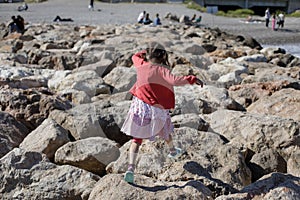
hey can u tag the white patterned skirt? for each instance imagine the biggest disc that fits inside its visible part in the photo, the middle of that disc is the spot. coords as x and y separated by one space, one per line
144 121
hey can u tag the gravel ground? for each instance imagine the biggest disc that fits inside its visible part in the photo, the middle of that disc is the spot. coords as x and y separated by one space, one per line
122 13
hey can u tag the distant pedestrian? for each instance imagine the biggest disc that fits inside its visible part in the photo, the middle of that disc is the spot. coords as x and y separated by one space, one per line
267 17
280 20
273 22
91 6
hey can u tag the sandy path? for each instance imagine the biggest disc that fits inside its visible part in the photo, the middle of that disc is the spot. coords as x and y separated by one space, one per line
121 13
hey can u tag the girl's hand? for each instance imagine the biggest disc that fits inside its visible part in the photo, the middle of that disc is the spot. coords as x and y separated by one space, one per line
199 82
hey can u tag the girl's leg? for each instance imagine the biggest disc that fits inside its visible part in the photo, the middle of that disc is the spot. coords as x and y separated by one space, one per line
133 152
174 151
170 144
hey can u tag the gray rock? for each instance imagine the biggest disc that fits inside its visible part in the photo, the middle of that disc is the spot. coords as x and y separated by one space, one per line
271 186
293 163
284 103
121 78
190 120
92 154
81 121
256 132
113 187
87 81
266 162
225 163
46 138
12 133
29 175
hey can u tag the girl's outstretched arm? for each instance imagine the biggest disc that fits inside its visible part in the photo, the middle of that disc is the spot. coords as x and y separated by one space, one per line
139 58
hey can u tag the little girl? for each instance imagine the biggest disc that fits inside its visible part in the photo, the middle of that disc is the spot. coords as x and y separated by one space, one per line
153 96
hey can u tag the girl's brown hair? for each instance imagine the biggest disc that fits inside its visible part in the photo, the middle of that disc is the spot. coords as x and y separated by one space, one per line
157 53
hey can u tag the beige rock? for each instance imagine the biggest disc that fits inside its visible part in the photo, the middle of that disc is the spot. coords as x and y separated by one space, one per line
121 78
293 163
92 154
29 175
113 187
271 186
46 138
284 103
256 132
81 121
12 133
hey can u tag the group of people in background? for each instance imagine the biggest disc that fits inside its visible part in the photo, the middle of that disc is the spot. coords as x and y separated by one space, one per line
144 18
16 24
274 19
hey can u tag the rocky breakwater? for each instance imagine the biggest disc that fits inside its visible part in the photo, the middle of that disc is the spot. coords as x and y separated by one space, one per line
64 96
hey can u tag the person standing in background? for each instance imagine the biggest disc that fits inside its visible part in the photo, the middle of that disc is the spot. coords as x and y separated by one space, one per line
91 6
267 17
274 22
281 20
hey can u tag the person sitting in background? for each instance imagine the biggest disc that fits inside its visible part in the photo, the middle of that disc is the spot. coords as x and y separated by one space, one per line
141 17
157 20
12 26
147 19
193 18
23 7
16 24
20 24
198 20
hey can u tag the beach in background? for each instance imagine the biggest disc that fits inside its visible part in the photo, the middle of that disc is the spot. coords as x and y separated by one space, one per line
287 38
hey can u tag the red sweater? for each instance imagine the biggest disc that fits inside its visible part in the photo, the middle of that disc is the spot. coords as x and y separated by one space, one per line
154 84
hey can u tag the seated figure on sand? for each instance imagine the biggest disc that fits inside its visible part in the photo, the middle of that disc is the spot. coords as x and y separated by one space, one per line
141 17
157 20
147 19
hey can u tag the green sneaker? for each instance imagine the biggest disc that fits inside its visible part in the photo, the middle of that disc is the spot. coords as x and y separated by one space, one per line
129 177
178 153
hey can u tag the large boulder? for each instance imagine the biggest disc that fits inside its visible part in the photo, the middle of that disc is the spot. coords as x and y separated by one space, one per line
12 133
270 139
81 121
46 138
284 103
29 175
113 187
271 186
246 94
87 81
121 79
92 154
194 99
225 163
31 106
